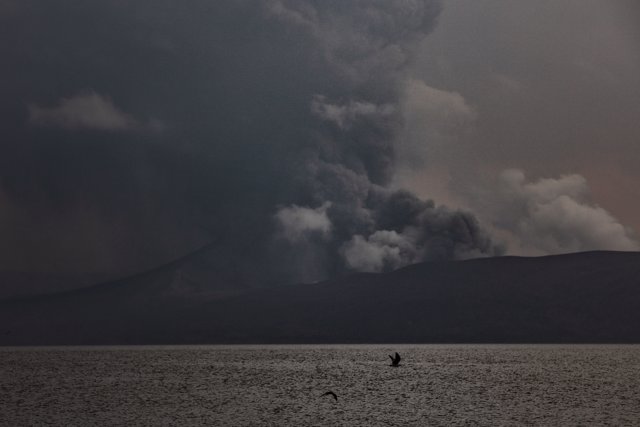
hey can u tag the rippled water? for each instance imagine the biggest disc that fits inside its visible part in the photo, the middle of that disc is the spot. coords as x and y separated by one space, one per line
282 385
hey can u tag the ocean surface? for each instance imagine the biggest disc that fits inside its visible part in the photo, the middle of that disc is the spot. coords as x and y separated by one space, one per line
283 385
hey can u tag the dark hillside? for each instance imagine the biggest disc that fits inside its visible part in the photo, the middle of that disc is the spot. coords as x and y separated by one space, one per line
583 297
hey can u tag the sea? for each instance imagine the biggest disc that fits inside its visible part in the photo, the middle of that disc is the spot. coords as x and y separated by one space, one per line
435 385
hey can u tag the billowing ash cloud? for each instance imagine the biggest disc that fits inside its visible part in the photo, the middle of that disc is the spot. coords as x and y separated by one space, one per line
553 216
348 115
283 122
358 132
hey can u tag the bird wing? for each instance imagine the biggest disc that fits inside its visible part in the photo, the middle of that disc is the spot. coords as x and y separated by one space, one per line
398 358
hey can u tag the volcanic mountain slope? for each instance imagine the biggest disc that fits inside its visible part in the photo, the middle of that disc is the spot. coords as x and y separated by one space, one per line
582 297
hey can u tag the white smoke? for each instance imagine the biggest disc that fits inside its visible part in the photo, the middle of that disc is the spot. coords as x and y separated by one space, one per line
297 222
383 250
552 216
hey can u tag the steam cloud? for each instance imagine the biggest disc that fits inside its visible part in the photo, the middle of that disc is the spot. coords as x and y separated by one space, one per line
298 222
553 216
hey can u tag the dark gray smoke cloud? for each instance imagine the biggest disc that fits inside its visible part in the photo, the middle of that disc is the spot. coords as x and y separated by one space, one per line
268 127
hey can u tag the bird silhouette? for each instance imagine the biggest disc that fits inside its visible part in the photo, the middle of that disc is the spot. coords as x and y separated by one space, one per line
330 393
395 361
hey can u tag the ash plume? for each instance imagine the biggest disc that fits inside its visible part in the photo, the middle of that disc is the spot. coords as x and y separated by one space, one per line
280 122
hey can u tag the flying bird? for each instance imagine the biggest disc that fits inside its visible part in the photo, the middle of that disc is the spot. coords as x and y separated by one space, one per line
395 361
330 393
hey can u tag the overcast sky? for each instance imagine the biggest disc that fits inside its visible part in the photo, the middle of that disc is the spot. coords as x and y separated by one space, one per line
308 138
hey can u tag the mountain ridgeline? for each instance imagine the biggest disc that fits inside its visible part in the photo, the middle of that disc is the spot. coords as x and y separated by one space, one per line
583 297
